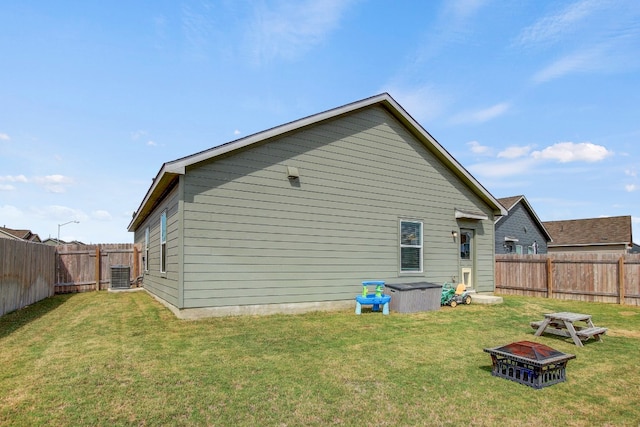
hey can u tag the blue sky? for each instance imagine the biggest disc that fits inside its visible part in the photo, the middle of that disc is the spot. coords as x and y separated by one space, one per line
540 98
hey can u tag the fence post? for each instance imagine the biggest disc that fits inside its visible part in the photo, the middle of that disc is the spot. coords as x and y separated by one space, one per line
621 279
97 268
136 263
549 278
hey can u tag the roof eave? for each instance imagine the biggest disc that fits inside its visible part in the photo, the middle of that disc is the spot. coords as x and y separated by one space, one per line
563 245
161 182
170 170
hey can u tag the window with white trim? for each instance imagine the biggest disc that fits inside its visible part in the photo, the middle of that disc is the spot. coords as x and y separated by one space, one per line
163 242
410 246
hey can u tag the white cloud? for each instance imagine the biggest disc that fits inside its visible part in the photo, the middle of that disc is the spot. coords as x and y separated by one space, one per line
237 132
60 213
464 9
514 152
502 169
151 143
518 161
481 116
631 187
54 183
478 148
7 187
136 135
594 35
582 61
4 137
551 28
54 179
630 172
565 152
288 29
101 215
197 26
10 214
13 178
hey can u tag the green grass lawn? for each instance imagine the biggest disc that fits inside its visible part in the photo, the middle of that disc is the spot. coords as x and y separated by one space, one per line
107 359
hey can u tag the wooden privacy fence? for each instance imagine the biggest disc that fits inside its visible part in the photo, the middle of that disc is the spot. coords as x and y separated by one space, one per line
81 268
26 273
610 278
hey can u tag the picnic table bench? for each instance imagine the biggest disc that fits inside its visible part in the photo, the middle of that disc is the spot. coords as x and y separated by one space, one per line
579 327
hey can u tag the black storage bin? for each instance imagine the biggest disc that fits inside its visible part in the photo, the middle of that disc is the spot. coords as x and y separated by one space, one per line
414 297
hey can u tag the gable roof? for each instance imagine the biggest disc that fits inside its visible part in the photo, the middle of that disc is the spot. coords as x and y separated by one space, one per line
614 230
21 234
6 235
512 202
169 171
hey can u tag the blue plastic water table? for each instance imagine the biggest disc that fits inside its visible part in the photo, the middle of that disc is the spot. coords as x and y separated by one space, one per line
374 299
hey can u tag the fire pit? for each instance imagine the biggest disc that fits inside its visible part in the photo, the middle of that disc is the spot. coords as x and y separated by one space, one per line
529 363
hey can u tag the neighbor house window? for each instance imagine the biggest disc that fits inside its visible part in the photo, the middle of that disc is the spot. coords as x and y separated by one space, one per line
410 246
145 259
163 242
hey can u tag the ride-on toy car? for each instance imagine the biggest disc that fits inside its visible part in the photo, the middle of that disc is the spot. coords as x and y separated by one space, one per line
453 297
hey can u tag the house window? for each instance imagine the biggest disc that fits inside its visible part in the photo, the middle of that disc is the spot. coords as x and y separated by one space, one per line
145 258
410 246
163 242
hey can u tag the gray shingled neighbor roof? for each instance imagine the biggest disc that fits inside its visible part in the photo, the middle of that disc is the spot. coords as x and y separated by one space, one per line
593 231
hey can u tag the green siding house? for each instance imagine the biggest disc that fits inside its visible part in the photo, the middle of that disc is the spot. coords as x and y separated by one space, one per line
294 218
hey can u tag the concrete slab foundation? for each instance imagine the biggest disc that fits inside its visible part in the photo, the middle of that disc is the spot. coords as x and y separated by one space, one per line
486 299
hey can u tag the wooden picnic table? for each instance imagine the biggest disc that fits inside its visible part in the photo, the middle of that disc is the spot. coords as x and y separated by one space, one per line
576 326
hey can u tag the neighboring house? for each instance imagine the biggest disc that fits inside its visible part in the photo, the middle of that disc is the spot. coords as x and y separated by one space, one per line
52 241
520 231
7 235
296 217
607 234
19 234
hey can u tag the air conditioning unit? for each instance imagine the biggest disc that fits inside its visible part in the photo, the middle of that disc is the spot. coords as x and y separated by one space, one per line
120 277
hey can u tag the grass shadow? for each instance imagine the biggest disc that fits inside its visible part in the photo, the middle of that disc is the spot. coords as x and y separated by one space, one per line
11 322
568 340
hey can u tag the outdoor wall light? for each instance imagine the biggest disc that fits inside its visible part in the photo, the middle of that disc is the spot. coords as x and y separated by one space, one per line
292 172
454 234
